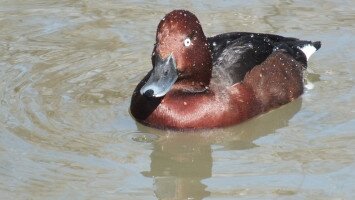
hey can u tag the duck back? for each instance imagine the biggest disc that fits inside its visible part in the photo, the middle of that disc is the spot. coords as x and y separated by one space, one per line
234 54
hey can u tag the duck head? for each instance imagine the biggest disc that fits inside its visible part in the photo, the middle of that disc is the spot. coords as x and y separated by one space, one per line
181 56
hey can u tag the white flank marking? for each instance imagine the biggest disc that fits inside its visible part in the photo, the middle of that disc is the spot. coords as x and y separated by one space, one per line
308 50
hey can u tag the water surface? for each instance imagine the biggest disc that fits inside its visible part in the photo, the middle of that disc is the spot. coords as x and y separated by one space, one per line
68 69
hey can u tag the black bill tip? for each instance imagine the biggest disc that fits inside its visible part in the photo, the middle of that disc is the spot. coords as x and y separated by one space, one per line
149 93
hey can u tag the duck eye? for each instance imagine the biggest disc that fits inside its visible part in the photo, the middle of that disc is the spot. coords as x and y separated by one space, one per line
187 42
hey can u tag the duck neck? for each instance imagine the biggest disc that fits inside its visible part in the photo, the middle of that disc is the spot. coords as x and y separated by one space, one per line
201 71
187 86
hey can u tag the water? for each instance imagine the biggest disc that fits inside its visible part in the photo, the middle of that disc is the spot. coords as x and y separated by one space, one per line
68 69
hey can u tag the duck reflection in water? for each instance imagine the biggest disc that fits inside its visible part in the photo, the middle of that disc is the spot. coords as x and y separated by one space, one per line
181 161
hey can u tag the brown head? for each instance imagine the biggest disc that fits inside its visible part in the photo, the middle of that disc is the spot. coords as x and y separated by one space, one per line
181 57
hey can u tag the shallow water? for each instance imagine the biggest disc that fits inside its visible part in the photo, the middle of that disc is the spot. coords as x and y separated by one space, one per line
68 69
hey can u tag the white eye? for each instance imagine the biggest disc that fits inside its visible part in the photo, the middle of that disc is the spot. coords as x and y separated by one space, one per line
187 42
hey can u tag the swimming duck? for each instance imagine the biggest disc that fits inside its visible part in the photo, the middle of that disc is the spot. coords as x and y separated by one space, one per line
200 82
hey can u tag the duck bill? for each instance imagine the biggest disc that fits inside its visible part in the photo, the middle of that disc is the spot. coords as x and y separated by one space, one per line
162 77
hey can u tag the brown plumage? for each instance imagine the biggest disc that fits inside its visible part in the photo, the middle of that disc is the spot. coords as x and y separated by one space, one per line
199 82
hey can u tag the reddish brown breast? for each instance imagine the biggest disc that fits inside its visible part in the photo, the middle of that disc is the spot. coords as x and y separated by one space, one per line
211 109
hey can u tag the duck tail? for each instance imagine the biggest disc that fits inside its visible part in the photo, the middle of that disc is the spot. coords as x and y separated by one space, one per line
308 48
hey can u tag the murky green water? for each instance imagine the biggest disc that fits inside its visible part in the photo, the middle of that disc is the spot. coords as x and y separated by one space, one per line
67 71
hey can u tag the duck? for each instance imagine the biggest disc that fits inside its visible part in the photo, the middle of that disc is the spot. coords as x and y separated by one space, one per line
200 82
